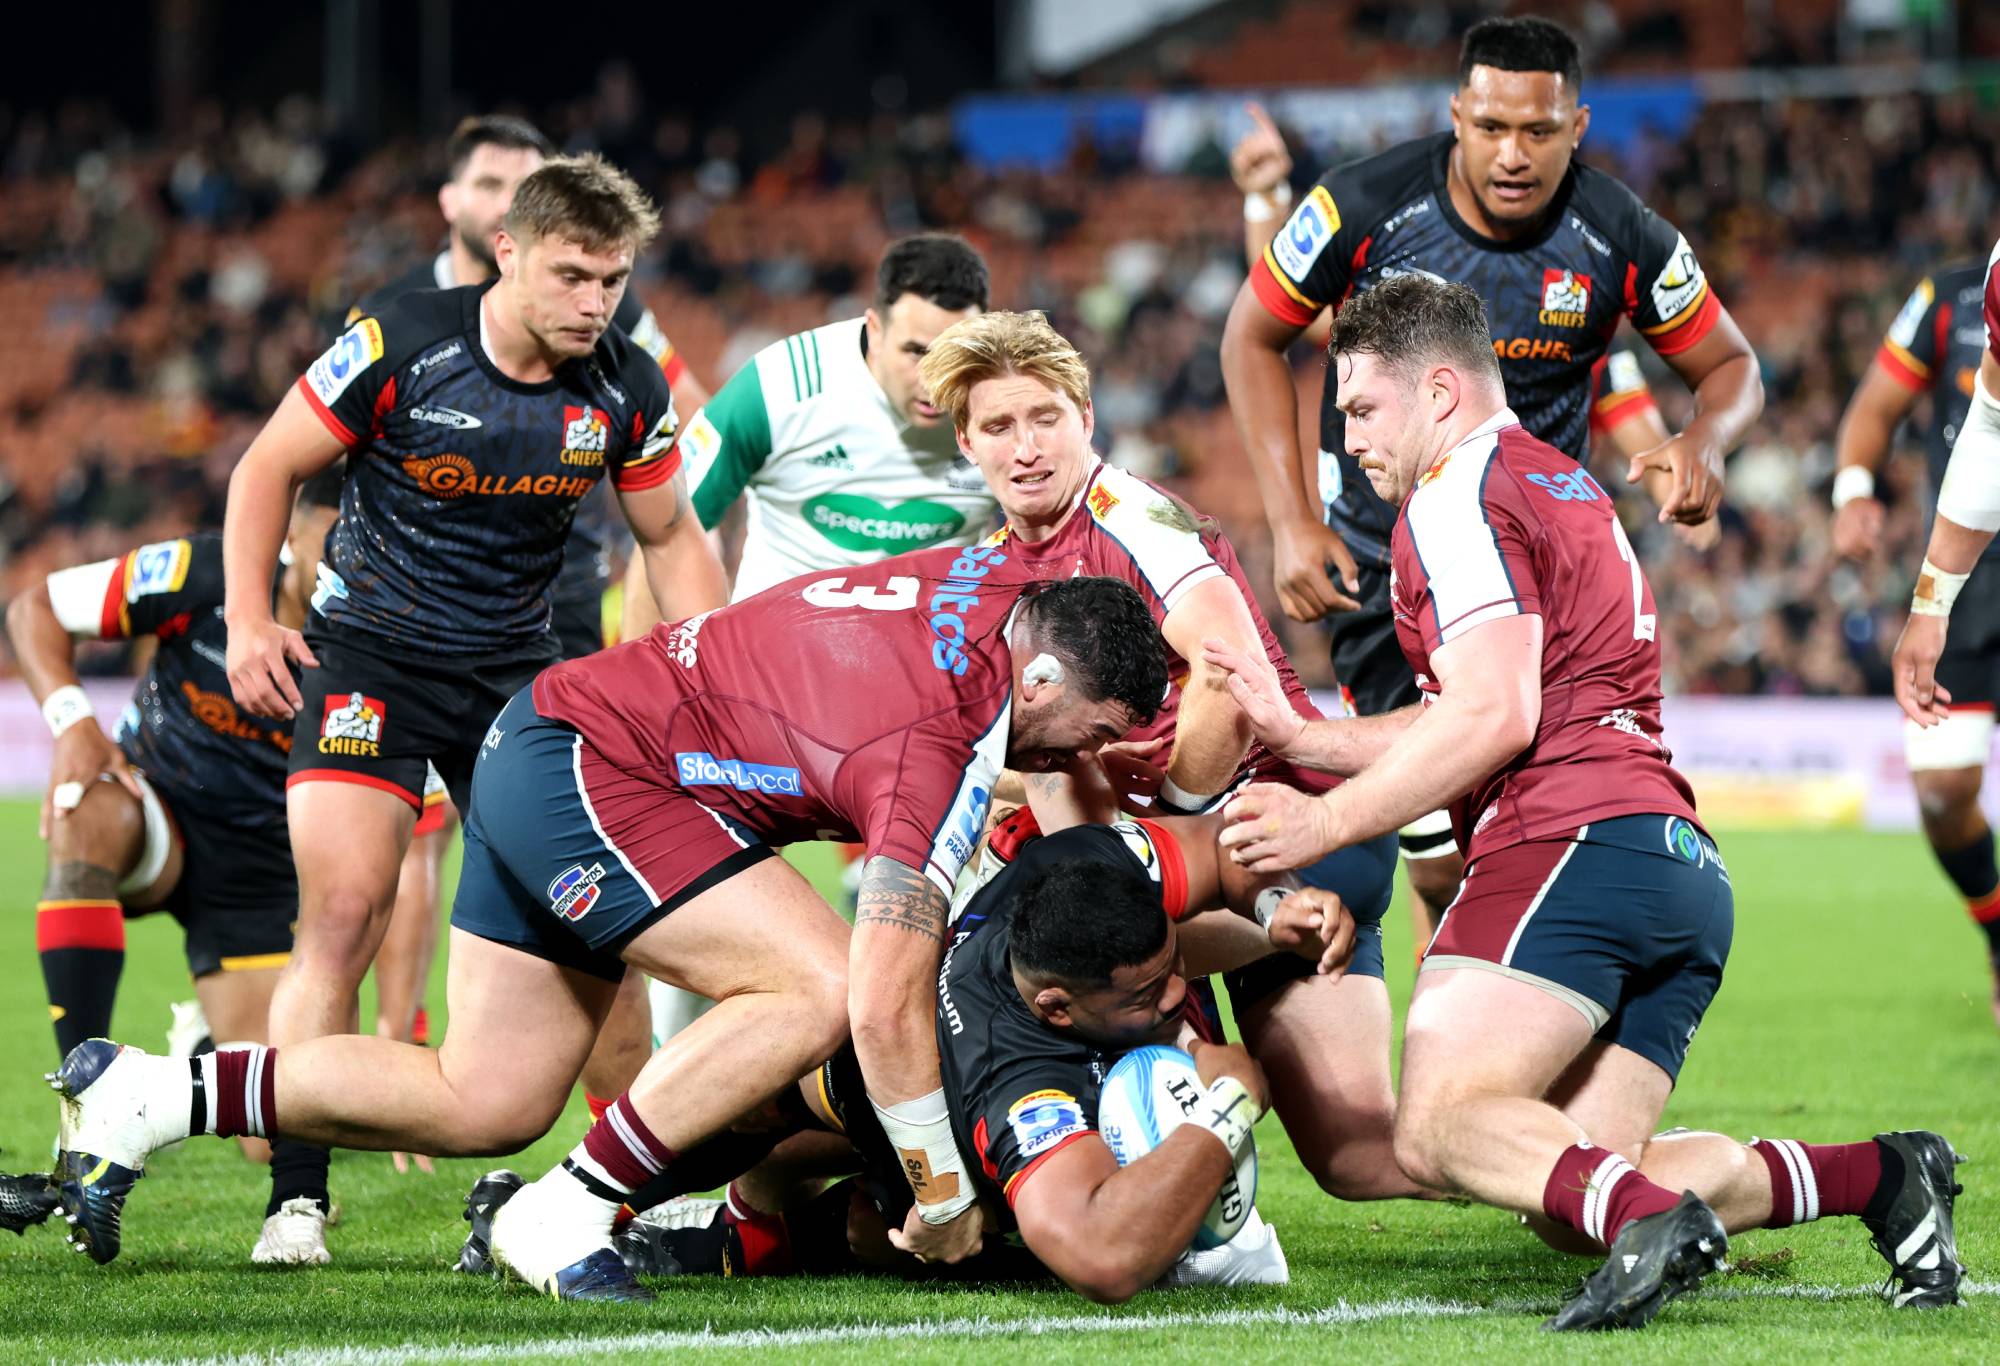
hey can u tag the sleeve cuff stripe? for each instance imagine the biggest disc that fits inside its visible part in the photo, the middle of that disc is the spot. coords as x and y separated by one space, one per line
333 424
1280 300
1903 367
1013 1187
649 474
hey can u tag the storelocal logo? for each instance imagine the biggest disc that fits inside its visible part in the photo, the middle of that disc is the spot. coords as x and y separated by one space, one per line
854 521
705 770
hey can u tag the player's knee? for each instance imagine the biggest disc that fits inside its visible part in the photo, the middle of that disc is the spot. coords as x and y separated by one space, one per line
1416 1149
494 1130
822 991
1946 795
107 830
337 926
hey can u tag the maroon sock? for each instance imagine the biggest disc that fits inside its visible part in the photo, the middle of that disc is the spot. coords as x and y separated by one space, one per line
1813 1180
1596 1192
237 1090
620 1151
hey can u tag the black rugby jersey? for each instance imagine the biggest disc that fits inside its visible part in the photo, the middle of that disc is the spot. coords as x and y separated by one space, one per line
1554 297
1933 347
463 483
1019 1090
586 564
182 728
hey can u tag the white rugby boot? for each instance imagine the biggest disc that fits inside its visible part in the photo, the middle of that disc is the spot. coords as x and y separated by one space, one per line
555 1235
1252 1257
294 1236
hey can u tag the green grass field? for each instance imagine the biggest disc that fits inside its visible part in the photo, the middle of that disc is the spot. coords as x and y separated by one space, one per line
1856 1000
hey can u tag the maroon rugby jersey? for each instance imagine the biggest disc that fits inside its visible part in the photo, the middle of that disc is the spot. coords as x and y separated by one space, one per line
1505 525
1992 308
867 704
1126 528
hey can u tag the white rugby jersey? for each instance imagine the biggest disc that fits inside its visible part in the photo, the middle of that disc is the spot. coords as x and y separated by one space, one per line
832 474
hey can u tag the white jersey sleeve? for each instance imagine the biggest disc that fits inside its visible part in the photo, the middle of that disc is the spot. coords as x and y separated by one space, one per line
1160 535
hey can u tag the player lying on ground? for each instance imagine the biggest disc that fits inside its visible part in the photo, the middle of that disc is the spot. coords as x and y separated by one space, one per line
1557 1003
1074 951
478 419
1018 395
184 811
1968 513
627 810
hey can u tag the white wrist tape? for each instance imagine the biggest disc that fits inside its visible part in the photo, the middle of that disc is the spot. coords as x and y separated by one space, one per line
1227 1111
1937 590
1851 482
920 1132
1970 495
1261 206
1265 907
65 707
1178 801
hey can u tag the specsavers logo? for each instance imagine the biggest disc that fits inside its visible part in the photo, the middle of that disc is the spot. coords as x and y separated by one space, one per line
451 475
698 769
854 521
352 725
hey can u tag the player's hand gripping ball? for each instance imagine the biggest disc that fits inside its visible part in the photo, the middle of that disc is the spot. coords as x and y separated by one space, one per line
1148 1095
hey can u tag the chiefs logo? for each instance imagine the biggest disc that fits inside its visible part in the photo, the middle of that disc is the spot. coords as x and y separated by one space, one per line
1565 299
441 476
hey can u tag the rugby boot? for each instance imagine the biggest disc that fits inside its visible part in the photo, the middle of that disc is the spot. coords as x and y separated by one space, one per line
1252 1257
681 1237
482 1202
1914 1234
27 1200
1652 1260
294 1236
112 1118
560 1246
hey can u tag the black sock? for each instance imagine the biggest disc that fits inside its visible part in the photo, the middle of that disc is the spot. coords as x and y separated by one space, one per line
82 985
1973 871
1886 1188
298 1170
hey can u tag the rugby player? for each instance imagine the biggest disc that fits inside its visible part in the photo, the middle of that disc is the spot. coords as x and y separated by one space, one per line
478 419
1934 348
486 157
1559 250
184 810
1557 1003
1069 953
626 810
1018 395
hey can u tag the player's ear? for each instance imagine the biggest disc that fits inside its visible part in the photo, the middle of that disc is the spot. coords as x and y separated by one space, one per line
873 322
1454 111
1054 1003
1089 420
448 201
1580 127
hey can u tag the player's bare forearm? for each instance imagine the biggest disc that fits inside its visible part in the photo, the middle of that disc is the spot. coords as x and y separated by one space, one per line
637 612
1211 733
1722 371
899 933
682 568
1265 403
1954 548
1156 1205
42 647
293 446
1868 427
1345 745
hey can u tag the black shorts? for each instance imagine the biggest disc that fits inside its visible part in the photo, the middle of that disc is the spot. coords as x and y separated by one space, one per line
1367 660
1969 668
375 713
238 897
578 625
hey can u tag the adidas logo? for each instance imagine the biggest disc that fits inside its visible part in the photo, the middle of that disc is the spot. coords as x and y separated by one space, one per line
835 459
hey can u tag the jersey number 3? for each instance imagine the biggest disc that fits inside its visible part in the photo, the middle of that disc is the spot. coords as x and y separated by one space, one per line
900 595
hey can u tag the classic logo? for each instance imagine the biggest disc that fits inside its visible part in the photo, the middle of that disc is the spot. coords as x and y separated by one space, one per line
445 417
451 475
698 769
854 521
574 890
586 435
1565 299
352 725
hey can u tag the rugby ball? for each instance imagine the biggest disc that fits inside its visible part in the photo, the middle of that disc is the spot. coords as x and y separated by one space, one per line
1149 1093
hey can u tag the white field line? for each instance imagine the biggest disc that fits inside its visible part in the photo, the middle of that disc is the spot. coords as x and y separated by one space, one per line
952 1329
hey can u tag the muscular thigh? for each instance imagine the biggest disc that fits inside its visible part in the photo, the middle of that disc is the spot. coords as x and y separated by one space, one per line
521 1024
1615 1095
753 932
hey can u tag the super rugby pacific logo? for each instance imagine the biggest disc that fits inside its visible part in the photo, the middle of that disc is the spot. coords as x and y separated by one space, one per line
954 598
575 890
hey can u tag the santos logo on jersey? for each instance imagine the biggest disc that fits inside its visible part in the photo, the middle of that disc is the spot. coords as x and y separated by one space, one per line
1565 299
352 725
705 770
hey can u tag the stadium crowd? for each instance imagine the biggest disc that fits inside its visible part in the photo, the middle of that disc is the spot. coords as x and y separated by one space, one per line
168 293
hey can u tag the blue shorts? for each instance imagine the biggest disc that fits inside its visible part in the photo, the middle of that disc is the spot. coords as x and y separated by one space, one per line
570 859
1629 920
1364 878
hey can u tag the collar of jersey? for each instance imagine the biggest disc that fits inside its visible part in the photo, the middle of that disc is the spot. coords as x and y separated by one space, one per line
1441 188
1502 419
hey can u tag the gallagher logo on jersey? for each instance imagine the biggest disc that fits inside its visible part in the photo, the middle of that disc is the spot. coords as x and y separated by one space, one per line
586 432
1565 299
575 890
352 725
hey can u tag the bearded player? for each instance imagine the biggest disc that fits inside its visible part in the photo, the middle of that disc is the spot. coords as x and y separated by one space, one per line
1556 1006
